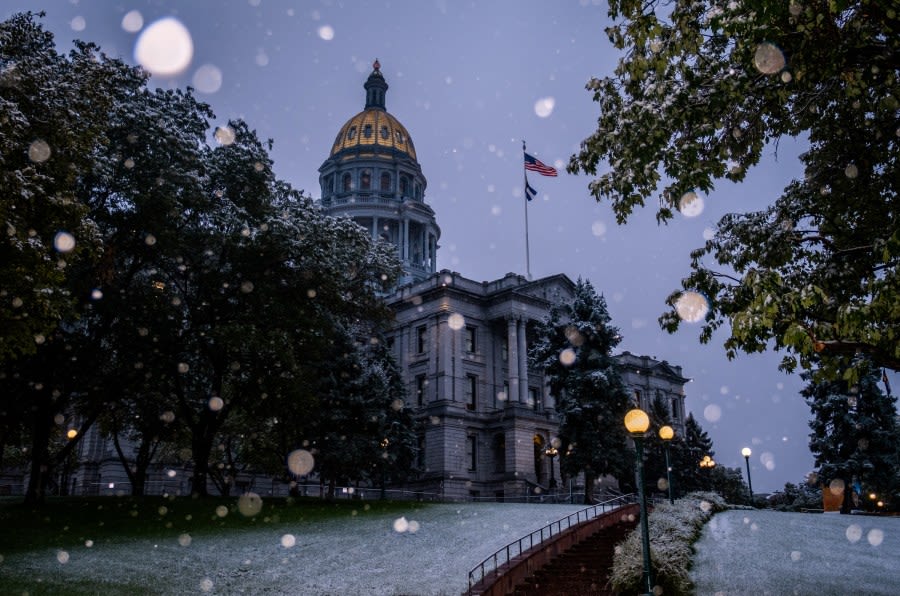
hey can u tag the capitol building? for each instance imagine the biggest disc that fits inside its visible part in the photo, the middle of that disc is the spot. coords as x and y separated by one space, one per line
486 417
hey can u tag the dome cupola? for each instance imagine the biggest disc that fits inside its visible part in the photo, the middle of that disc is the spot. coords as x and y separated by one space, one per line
372 175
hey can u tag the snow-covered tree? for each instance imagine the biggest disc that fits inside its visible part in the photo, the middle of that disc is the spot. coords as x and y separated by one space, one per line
54 118
854 437
690 476
573 345
702 89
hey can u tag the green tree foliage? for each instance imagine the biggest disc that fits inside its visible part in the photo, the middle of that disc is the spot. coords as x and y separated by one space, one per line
698 95
854 437
214 292
53 115
574 346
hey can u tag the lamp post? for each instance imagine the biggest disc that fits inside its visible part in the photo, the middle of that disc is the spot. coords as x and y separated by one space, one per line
551 452
746 453
666 433
637 422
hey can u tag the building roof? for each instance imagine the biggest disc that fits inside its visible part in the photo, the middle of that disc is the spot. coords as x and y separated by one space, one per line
374 130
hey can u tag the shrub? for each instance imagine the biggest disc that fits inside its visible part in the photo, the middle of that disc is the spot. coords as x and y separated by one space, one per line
673 530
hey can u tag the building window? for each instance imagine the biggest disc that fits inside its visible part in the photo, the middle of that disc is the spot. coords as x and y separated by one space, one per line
499 445
534 398
384 132
399 136
351 134
471 392
472 452
420 339
404 185
421 385
346 183
675 415
469 340
367 131
637 399
385 181
365 180
329 184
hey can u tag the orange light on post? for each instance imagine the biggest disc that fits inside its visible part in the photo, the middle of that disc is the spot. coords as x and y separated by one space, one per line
667 433
71 434
637 422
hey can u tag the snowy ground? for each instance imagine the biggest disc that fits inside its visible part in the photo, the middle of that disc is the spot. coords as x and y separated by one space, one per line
740 552
359 555
774 553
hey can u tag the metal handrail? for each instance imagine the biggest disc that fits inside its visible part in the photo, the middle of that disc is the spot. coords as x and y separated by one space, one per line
503 555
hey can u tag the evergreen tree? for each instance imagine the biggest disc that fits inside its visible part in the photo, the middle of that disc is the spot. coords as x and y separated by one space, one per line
574 346
854 437
697 444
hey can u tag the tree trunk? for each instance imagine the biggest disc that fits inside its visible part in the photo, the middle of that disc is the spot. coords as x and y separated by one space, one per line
201 447
588 487
40 459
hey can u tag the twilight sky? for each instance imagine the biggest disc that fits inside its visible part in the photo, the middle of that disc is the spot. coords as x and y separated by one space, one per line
471 80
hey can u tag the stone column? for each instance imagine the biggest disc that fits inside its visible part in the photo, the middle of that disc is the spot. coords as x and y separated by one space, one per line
445 358
523 363
512 354
375 227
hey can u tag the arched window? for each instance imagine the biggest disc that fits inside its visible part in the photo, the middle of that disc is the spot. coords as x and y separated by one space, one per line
329 184
404 185
346 183
385 182
367 131
385 134
351 134
365 180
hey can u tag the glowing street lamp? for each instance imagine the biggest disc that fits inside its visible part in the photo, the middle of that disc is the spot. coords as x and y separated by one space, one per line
551 452
746 453
637 422
666 433
707 462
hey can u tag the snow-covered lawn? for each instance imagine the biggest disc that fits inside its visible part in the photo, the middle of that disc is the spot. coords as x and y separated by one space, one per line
769 552
362 555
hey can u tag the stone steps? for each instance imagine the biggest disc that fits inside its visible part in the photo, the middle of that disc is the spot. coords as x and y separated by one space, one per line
581 571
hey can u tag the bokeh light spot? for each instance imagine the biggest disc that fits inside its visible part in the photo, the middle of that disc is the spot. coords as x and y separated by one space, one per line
768 59
64 241
854 532
690 204
133 21
216 403
544 106
249 504
875 537
207 79
326 32
567 357
456 321
165 47
39 151
598 228
300 462
712 413
288 540
691 306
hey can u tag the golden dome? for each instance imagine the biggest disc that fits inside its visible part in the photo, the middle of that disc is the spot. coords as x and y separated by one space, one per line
374 130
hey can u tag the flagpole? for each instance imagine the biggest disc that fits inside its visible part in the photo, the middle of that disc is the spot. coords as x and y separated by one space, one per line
527 247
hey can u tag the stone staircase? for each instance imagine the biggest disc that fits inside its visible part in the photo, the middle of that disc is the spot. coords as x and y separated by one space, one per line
583 570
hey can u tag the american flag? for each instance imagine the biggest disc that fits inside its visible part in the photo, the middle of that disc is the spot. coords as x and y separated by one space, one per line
536 165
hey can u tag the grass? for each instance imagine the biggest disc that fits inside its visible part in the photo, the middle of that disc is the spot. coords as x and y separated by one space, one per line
113 546
70 521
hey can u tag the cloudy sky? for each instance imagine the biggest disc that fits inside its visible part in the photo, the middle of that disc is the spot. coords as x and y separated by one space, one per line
470 81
